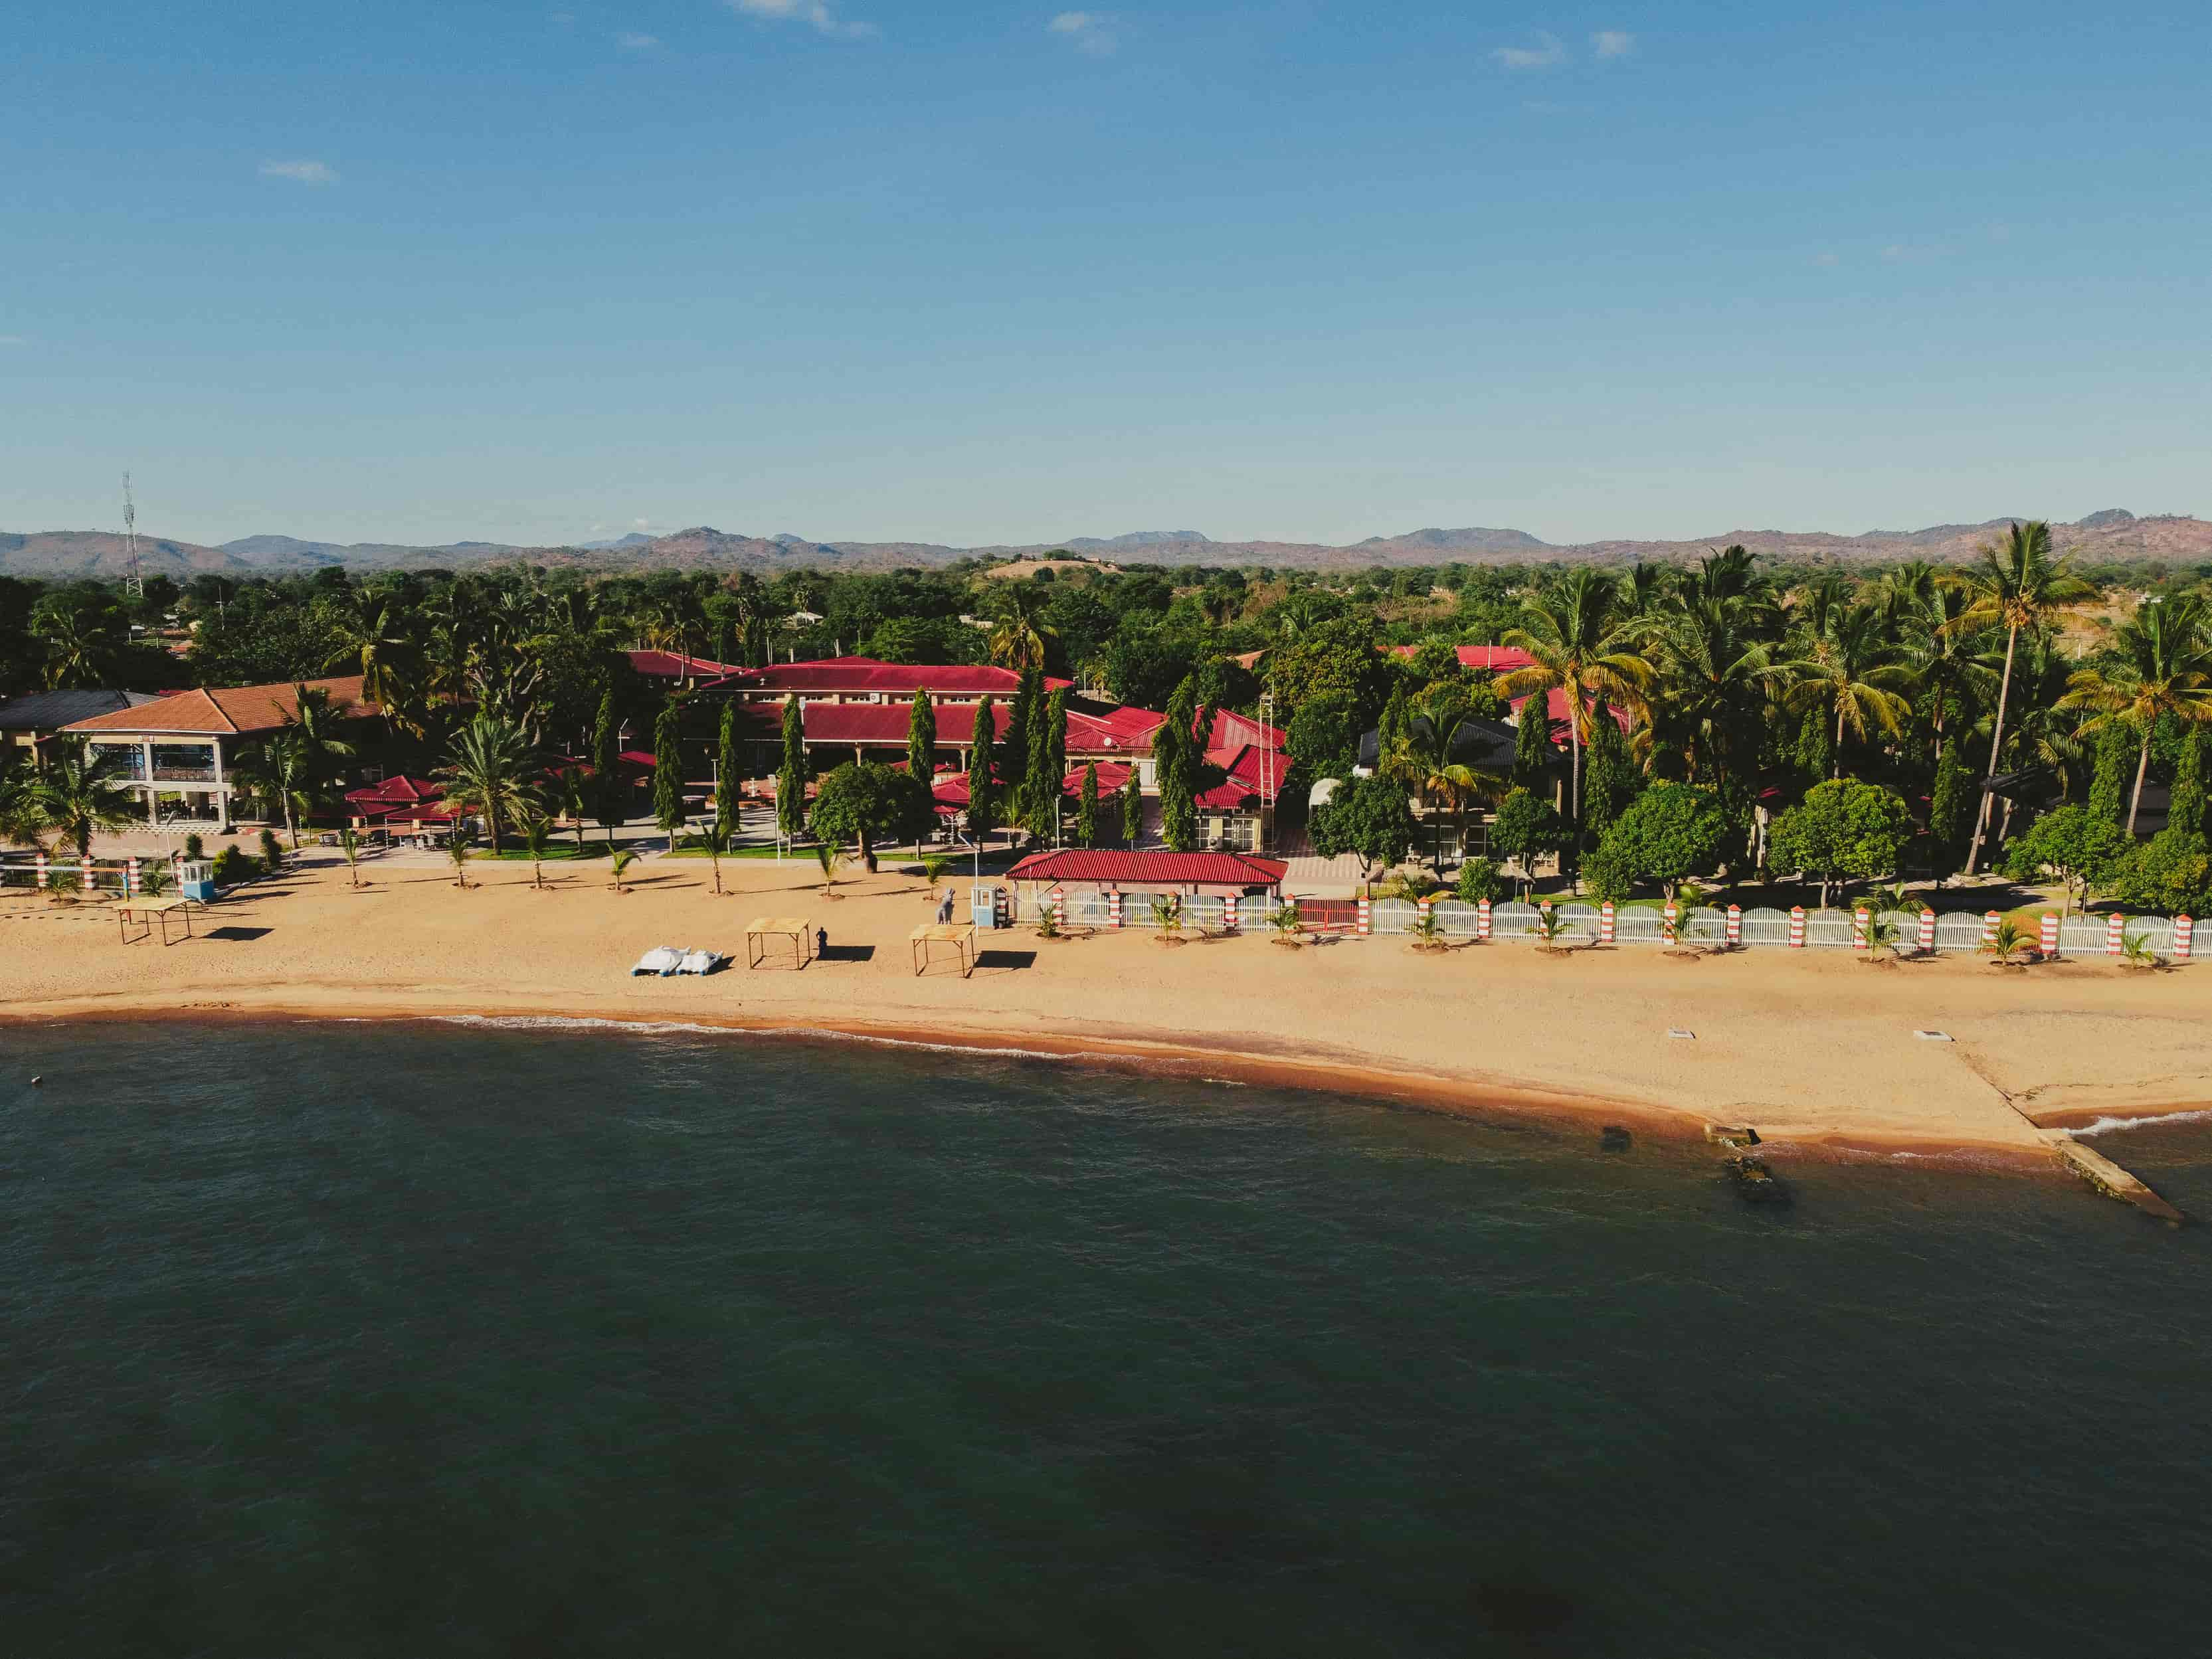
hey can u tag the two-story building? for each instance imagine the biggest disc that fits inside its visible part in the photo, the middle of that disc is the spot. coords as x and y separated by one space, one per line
177 753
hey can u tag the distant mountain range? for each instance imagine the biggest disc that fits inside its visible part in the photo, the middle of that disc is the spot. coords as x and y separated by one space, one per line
2113 534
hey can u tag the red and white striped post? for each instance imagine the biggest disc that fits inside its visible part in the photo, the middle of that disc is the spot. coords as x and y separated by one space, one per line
1113 908
131 877
42 869
1989 920
1544 906
1859 928
2115 931
84 872
2183 926
1674 916
1427 908
1927 931
1365 924
1796 927
1059 908
1229 913
2048 940
1736 925
1482 919
1605 922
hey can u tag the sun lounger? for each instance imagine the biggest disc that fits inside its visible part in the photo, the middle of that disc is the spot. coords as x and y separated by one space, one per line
661 961
700 961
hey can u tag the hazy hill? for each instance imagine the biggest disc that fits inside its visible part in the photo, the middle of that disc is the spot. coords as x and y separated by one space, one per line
2113 535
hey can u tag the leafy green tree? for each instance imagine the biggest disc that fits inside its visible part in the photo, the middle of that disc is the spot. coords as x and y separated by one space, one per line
1814 753
982 783
791 777
2170 874
1672 831
1844 830
728 768
1610 785
865 802
1086 807
1478 880
2108 783
491 772
610 794
1394 727
2186 811
1950 811
921 737
2076 844
1525 827
1368 816
1323 736
2161 669
1532 743
1336 656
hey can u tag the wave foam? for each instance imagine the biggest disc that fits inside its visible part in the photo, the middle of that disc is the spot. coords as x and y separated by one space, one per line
2106 1125
687 1028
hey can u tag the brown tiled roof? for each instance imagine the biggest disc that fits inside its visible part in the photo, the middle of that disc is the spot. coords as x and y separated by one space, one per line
225 711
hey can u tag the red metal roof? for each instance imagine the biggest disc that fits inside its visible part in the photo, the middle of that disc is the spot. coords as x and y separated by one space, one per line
395 792
675 666
883 725
1146 869
1498 658
1254 777
857 675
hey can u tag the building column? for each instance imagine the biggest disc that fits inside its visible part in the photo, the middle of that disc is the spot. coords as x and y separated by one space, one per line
222 791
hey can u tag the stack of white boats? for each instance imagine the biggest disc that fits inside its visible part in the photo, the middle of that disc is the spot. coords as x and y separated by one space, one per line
667 959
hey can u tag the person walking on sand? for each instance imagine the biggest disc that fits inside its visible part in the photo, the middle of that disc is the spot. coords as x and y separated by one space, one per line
944 910
821 942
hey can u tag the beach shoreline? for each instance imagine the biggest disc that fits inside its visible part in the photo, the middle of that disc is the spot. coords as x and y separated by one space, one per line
1817 1056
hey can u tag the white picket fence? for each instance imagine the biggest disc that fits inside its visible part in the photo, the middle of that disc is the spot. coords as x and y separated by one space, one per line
1638 922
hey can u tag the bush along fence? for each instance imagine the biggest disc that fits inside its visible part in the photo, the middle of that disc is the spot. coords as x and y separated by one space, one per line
1924 932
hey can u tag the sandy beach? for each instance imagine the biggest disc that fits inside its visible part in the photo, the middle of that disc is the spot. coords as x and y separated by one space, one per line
1813 1049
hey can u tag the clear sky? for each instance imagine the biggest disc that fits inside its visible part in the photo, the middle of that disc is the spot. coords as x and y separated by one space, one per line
984 271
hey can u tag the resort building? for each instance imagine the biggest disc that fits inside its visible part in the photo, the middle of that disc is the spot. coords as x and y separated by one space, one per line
31 720
176 753
1084 870
865 680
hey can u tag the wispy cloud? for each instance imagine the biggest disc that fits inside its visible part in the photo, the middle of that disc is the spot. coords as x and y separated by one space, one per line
1087 29
816 14
300 173
1547 51
15 339
1827 259
1613 43
629 41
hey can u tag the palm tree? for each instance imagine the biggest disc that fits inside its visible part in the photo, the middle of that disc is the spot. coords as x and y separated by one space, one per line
350 844
831 858
536 841
314 718
22 821
1424 760
1949 675
934 867
716 841
489 773
1849 668
1578 642
1167 916
2161 667
376 641
1717 681
1286 922
619 865
70 796
2019 584
83 641
457 850
280 771
1017 638
572 792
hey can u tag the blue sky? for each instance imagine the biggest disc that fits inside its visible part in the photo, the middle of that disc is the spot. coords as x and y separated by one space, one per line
996 272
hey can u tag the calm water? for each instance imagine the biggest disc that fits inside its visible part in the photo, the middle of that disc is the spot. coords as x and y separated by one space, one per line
432 1340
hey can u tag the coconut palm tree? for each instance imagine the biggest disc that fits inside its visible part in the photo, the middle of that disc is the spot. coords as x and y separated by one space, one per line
831 858
22 821
2161 667
572 792
83 640
280 771
536 841
1017 637
491 772
70 797
316 718
618 865
2019 584
349 845
1717 680
1848 667
716 842
457 850
1949 676
1424 760
1285 922
1578 642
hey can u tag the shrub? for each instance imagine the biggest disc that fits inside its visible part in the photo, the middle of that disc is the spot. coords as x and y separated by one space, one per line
272 852
195 848
233 867
1478 880
1672 830
2170 874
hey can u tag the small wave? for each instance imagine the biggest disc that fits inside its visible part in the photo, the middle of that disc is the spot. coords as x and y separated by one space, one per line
687 1028
2106 1125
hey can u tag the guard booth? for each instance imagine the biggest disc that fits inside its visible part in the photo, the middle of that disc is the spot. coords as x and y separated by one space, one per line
984 904
196 880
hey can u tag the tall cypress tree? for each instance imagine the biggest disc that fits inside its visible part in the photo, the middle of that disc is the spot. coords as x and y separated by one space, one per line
1176 754
1047 765
2110 783
668 769
2187 812
1532 744
1013 758
921 739
1086 807
1950 811
1816 749
1133 810
725 771
982 790
610 795
1609 780
791 776
1394 729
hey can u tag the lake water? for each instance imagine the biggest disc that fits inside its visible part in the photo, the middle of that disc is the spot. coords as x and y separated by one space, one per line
435 1340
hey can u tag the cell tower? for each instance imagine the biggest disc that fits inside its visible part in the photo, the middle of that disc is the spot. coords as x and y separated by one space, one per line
134 579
